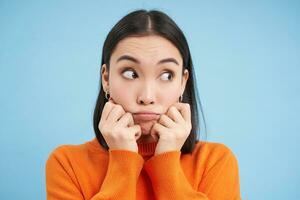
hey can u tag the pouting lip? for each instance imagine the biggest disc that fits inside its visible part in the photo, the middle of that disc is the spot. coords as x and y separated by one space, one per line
145 117
146 112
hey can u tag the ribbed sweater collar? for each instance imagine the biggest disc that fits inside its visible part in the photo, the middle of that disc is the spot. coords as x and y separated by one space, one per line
145 149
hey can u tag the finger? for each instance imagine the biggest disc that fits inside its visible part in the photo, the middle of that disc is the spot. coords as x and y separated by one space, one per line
166 121
154 134
175 115
106 110
185 110
155 137
126 120
116 113
158 129
112 100
136 130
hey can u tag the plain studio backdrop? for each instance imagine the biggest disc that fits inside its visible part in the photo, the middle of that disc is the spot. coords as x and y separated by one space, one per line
246 58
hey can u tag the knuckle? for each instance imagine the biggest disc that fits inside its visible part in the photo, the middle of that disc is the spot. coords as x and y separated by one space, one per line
162 117
172 107
119 107
108 104
128 114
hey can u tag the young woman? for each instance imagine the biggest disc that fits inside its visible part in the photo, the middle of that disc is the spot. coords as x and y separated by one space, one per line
146 125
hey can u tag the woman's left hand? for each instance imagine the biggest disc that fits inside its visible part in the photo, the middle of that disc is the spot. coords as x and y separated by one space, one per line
172 128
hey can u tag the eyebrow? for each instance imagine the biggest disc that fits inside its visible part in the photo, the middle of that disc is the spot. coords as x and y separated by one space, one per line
130 58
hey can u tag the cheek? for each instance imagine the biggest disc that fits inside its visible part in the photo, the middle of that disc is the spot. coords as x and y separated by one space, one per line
172 97
121 93
169 96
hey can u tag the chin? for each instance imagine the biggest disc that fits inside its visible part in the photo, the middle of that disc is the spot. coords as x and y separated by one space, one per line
146 129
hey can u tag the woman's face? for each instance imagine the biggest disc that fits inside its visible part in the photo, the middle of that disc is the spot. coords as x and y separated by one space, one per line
145 75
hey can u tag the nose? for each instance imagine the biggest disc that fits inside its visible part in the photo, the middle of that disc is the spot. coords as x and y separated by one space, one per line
146 94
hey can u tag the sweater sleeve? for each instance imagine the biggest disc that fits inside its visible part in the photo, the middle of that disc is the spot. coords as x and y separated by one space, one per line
119 183
169 181
121 178
221 181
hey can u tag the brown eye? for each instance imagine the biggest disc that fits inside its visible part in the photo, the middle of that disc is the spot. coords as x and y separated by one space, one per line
129 73
167 75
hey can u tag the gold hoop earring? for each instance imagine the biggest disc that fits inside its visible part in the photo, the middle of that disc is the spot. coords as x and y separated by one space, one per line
106 93
180 100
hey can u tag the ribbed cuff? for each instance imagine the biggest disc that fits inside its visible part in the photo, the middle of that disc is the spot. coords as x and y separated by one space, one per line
162 167
123 171
125 162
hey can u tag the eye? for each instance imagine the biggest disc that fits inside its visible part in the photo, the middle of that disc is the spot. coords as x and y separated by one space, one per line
128 73
168 75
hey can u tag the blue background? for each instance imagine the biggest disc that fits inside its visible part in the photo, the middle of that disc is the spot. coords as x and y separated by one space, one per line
246 56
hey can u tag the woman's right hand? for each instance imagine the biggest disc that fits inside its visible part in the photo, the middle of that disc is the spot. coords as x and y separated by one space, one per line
117 127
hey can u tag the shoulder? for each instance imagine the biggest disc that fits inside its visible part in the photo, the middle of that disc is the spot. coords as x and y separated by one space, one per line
212 153
70 152
211 148
63 154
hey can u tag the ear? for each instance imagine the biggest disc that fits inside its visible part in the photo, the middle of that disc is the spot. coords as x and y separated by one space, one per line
105 77
185 77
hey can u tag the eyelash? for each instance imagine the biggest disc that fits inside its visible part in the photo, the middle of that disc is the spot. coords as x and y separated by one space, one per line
167 71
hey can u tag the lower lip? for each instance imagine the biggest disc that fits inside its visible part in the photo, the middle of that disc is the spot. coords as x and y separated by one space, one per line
146 117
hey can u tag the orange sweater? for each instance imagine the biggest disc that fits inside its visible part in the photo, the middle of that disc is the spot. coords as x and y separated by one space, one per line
88 171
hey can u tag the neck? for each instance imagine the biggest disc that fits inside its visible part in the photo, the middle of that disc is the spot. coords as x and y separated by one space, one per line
147 148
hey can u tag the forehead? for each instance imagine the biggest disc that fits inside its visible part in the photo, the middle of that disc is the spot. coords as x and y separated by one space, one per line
146 49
